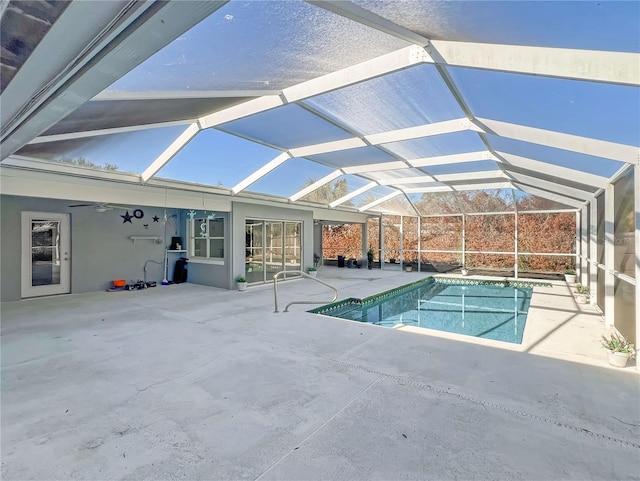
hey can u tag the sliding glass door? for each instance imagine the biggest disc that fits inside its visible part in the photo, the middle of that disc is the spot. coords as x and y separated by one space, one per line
271 247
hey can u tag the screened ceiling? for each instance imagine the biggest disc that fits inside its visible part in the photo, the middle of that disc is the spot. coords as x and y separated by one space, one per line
410 107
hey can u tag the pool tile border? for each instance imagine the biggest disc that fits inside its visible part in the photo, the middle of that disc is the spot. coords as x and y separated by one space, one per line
352 301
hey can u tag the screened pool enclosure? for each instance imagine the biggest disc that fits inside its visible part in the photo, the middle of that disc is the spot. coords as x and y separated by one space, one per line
489 134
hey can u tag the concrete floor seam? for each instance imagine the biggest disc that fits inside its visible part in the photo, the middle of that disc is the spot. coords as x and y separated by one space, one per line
489 404
355 398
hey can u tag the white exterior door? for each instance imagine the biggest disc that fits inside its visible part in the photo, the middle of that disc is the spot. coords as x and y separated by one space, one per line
46 254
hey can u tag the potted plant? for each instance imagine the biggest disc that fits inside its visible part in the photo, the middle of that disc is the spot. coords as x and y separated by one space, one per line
619 349
570 276
464 271
370 258
312 271
408 266
583 294
242 283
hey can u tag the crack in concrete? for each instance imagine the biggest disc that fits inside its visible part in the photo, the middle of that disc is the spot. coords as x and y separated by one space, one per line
298 445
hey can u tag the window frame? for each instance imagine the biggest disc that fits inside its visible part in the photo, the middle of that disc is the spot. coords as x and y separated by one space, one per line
193 235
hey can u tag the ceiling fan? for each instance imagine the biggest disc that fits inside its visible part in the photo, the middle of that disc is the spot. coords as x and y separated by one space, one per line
101 207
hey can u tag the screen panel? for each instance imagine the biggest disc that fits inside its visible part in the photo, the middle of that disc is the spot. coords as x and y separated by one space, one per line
561 105
560 157
602 26
125 152
288 127
275 45
216 158
353 157
495 200
290 177
394 101
445 144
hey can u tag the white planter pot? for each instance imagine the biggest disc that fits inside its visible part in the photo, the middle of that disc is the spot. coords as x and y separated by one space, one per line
313 273
464 272
581 299
618 359
408 268
570 278
242 286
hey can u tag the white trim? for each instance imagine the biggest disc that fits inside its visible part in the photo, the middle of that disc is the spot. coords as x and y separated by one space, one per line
353 194
592 65
115 130
561 173
380 201
244 109
111 95
485 174
419 131
63 255
316 185
549 195
326 147
363 169
636 186
168 154
609 256
593 250
483 186
423 179
584 246
424 190
550 186
391 62
261 172
452 159
574 143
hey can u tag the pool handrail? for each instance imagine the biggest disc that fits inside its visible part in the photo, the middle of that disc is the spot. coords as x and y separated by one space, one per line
304 274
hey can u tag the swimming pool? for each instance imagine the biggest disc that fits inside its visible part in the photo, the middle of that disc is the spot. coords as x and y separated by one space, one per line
490 310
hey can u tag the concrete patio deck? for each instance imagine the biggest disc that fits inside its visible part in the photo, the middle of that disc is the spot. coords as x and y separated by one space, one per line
190 382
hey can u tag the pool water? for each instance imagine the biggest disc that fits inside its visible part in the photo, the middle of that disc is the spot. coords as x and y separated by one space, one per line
488 311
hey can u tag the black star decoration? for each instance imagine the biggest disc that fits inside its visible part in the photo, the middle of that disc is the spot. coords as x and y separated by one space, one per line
156 218
127 218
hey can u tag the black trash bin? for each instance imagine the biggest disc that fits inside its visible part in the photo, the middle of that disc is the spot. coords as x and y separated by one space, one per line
180 271
340 261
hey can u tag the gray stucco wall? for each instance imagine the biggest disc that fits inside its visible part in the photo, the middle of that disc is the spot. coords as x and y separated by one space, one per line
100 246
210 274
243 211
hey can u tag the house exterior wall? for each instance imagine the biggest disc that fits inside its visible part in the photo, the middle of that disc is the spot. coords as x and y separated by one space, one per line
101 249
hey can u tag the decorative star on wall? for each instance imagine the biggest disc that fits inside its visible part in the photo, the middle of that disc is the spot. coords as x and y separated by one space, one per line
127 218
156 218
191 214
